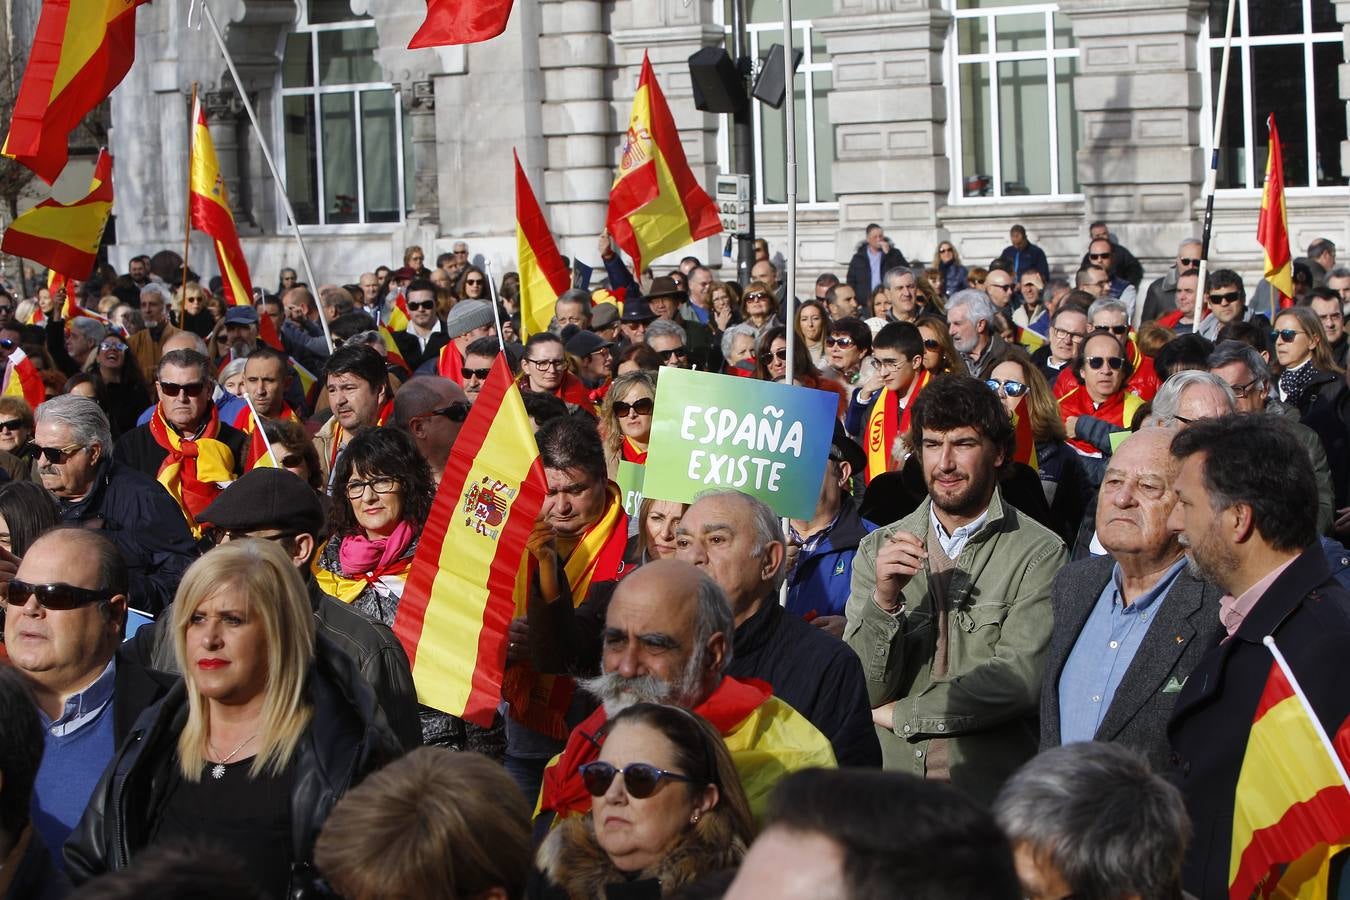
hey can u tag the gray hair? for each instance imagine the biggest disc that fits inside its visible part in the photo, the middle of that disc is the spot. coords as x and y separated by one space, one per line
729 336
1236 351
978 302
186 359
666 327
768 527
1189 242
1106 304
1111 826
91 329
1167 401
159 290
88 423
714 615
1339 272
893 275
232 368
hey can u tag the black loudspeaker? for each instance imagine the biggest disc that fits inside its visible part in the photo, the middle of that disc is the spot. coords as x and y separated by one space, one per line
717 86
769 85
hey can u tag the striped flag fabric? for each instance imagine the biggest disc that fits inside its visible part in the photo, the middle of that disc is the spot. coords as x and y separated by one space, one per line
460 595
393 354
543 273
82 49
1291 813
450 22
656 205
22 379
450 363
398 316
1272 227
65 237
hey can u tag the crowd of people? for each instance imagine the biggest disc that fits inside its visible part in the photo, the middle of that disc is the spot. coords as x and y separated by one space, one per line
1016 650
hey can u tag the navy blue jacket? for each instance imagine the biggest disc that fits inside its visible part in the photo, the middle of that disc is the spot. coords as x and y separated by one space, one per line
820 581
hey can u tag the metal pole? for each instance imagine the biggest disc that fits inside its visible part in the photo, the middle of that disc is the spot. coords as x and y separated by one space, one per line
789 313
187 208
743 137
1212 175
267 155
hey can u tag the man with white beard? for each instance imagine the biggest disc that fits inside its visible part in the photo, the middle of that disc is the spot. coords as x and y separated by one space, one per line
667 639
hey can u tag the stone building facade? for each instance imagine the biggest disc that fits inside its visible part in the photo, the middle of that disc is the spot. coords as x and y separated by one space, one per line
940 119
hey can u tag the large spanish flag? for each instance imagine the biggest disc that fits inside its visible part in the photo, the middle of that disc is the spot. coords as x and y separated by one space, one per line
1272 228
656 205
461 590
22 379
543 273
81 51
65 237
1292 808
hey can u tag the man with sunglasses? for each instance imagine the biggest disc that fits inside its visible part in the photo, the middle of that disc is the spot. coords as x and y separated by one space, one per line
667 300
478 359
431 409
425 335
1160 296
1101 252
1226 300
65 612
670 342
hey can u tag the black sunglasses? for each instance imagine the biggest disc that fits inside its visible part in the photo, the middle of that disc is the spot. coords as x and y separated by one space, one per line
642 406
8 344
844 342
780 354
1224 298
192 390
1286 335
1112 329
54 596
455 412
12 425
1099 256
679 352
1115 362
930 344
421 304
1188 263
57 455
480 374
640 780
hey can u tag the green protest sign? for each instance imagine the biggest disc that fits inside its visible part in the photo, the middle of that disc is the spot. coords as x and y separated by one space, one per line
718 431
629 478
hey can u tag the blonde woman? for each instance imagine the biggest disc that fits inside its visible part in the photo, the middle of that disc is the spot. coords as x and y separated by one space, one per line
196 316
626 419
252 749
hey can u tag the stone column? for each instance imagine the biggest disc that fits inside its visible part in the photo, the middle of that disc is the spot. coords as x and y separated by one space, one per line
1138 92
888 106
419 102
224 117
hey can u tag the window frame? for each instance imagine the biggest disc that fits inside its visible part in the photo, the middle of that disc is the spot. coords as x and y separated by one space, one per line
954 59
315 92
1240 65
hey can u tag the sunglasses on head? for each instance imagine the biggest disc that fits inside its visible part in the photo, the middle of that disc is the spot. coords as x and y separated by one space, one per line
1115 362
414 305
640 780
192 390
1286 335
642 406
1112 329
1011 388
844 342
57 455
480 374
52 596
1225 298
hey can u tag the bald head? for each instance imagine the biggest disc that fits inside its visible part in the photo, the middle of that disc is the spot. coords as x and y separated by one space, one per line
183 340
431 409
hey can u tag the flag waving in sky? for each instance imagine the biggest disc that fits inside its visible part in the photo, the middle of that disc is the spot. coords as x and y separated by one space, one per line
543 273
656 205
461 22
65 237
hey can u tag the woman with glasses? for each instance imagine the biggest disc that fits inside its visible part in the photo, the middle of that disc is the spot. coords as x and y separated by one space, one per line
1309 379
954 275
939 353
16 428
1099 405
254 746
125 393
196 317
759 307
544 370
667 808
771 365
472 285
626 419
813 324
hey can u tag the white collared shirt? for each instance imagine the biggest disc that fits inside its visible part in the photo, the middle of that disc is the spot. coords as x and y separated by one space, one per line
952 544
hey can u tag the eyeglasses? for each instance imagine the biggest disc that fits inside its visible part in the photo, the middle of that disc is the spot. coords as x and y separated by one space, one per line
756 295
1241 391
1072 336
480 374
1010 388
57 455
1188 263
455 412
1287 335
12 425
293 461
1118 330
381 485
640 780
414 305
930 344
217 536
990 285
780 354
191 390
844 342
473 281
642 406
107 345
976 282
679 352
59 597
8 344
946 250
1115 362
1099 256
1224 299
546 365
892 365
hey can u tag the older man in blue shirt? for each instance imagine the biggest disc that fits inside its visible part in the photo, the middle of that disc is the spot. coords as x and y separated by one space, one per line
1129 626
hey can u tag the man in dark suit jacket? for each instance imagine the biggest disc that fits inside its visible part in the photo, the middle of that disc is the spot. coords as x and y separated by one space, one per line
1247 515
425 335
1129 627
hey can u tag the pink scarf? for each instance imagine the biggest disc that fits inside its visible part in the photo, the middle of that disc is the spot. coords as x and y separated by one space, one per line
358 554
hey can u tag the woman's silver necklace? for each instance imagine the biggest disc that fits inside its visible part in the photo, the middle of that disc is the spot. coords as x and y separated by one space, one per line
218 770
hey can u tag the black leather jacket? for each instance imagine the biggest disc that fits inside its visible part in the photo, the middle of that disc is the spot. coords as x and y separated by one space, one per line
346 739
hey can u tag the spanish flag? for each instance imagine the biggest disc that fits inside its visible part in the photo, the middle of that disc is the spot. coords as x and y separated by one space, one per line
460 594
81 51
656 205
1292 809
1272 227
209 206
886 421
543 273
22 379
392 352
450 363
65 237
451 22
398 316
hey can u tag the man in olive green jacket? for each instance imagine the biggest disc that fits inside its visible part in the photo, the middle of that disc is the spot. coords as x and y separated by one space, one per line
950 607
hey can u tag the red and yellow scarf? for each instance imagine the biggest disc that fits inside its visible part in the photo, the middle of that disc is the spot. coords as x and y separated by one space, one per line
887 421
192 469
541 701
631 453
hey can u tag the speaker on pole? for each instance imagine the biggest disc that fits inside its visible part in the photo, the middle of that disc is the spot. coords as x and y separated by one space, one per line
769 87
718 88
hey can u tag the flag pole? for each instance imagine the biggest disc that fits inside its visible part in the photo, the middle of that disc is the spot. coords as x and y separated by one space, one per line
271 164
496 307
789 295
1269 641
258 424
1211 177
187 206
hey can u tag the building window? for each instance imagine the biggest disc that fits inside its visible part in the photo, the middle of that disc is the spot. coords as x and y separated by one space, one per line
1013 122
344 135
815 136
1285 60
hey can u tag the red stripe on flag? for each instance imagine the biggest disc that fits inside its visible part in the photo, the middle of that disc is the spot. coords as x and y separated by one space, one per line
1277 690
699 208
530 217
451 22
1296 834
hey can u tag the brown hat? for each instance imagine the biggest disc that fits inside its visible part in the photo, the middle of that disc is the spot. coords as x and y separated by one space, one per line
604 315
665 286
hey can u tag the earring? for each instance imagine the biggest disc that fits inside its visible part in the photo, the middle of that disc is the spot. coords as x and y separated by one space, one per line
693 820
